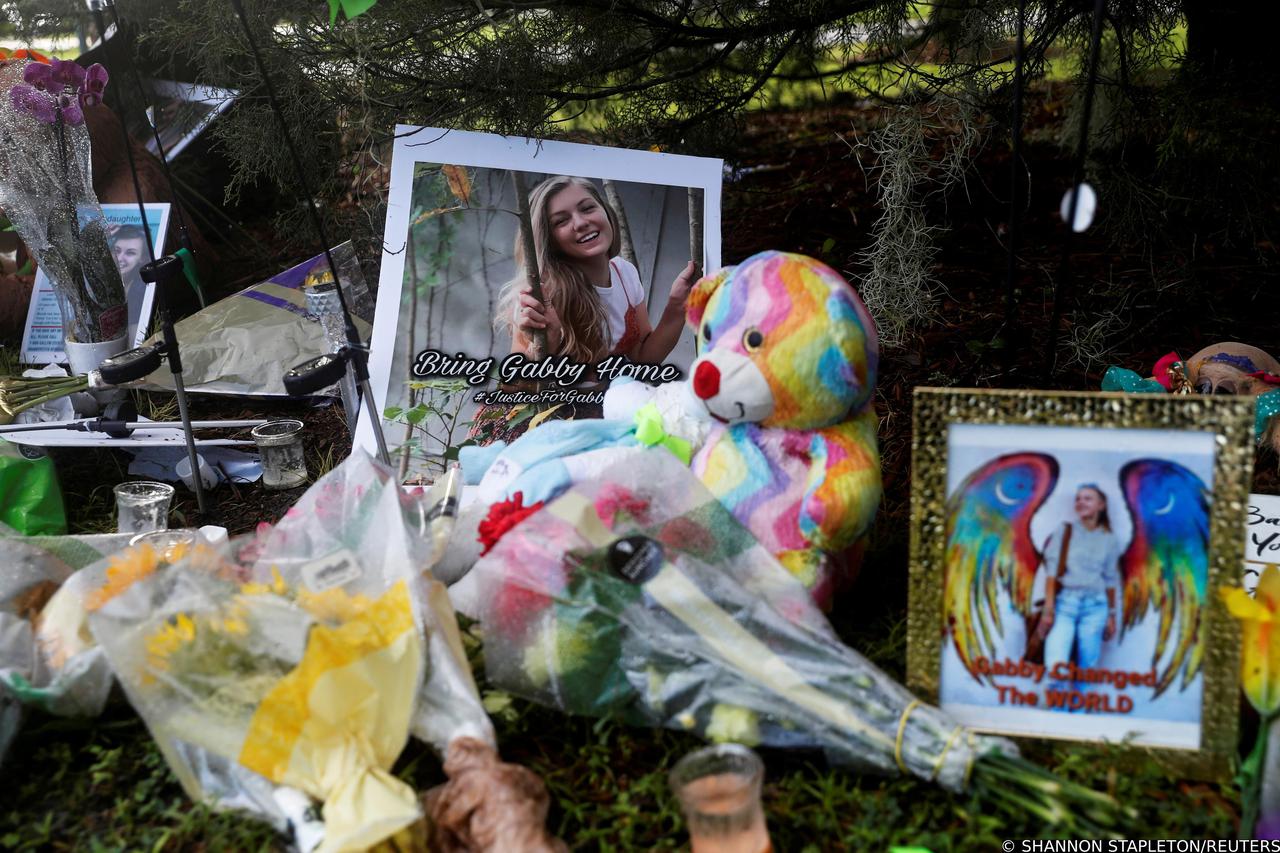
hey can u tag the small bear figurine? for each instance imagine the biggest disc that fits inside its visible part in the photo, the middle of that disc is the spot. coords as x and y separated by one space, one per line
786 368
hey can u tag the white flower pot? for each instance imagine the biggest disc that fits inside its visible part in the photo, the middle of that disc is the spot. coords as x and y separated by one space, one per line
82 358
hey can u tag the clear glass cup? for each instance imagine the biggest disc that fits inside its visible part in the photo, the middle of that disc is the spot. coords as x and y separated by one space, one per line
719 791
142 506
165 542
284 465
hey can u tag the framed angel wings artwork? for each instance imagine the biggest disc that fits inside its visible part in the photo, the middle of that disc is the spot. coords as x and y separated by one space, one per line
1065 552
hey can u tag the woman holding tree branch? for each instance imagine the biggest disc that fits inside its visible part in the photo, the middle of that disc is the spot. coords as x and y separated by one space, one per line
595 305
593 301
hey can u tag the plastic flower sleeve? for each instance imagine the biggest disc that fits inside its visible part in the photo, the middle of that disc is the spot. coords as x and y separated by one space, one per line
296 656
639 593
65 673
46 189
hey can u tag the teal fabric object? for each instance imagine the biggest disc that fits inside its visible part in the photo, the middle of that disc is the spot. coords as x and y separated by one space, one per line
1120 379
1266 406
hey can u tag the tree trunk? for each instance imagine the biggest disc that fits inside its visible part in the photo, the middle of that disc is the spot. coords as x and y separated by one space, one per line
628 248
1231 41
537 337
695 228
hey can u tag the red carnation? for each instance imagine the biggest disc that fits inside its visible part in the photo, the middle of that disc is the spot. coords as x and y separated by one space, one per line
503 516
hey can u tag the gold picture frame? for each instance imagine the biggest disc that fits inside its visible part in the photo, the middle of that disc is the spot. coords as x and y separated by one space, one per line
963 440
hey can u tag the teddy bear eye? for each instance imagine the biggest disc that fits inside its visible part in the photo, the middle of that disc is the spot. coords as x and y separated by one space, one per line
753 339
706 332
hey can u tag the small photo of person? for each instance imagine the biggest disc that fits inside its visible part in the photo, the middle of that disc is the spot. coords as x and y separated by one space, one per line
129 248
1075 582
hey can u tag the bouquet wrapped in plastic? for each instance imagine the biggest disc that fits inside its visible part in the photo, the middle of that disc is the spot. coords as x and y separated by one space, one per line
48 659
46 189
300 659
640 595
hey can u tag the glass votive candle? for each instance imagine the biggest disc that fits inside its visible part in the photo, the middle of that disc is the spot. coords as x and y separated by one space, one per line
280 446
142 506
719 792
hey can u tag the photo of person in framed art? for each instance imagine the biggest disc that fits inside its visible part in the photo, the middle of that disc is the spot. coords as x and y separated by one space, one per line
594 302
1082 583
1075 581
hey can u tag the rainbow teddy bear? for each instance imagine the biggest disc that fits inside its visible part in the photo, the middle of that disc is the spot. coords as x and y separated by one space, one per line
786 367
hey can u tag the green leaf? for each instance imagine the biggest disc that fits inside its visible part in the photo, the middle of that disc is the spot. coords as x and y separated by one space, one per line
333 11
392 412
416 415
495 701
828 244
354 8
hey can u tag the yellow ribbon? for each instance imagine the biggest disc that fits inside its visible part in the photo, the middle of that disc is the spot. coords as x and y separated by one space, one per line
946 747
650 432
902 730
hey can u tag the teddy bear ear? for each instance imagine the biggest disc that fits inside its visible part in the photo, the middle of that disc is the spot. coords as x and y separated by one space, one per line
701 294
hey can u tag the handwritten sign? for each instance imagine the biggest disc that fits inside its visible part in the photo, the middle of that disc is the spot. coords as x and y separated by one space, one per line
1262 537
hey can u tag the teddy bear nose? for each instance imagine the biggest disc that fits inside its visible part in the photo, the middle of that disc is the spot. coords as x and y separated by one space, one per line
706 380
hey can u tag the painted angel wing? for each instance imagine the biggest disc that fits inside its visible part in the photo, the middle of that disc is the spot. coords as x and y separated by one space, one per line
1166 565
989 545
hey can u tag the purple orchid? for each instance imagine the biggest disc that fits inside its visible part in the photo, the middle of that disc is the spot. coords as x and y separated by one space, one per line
68 73
38 75
69 106
70 89
26 99
95 79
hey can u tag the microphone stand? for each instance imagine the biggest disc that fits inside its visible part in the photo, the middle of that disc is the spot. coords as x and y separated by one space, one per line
321 372
139 362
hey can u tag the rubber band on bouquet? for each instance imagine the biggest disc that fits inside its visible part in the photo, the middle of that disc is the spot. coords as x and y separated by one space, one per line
942 756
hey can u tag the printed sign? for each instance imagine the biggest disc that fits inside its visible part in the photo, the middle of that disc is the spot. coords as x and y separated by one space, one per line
42 338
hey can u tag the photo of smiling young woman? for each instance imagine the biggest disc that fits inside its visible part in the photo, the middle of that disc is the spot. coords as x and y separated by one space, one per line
595 303
611 235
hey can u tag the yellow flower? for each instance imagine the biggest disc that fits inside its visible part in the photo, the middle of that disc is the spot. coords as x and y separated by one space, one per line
167 640
130 566
254 588
333 605
278 585
235 626
123 571
1259 619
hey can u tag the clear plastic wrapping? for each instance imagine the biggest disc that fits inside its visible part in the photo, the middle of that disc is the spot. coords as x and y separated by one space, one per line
300 659
48 659
639 594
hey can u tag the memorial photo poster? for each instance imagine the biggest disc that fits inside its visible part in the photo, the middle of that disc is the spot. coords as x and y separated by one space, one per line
42 338
439 349
1068 550
1137 680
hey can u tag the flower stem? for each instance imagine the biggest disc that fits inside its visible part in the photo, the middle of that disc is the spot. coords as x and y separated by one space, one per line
1251 774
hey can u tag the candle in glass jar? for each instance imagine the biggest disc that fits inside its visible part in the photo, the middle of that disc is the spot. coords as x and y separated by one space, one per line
719 791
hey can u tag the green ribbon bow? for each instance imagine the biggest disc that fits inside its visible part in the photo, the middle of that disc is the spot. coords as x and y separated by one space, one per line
650 432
